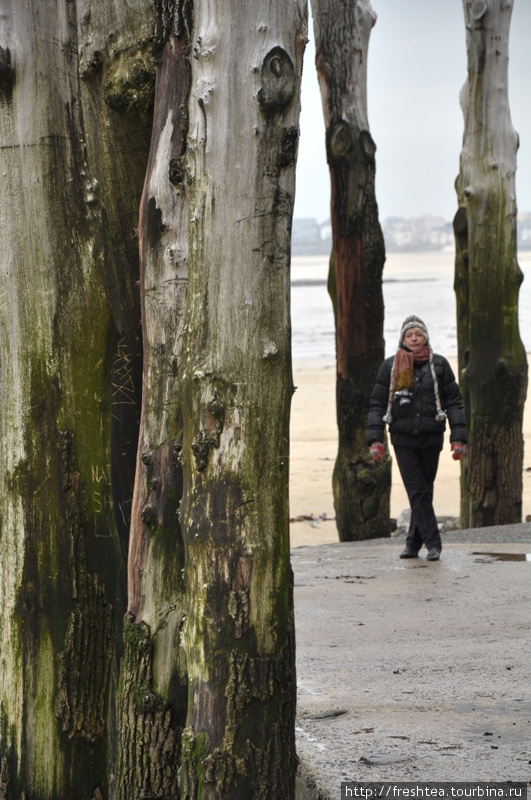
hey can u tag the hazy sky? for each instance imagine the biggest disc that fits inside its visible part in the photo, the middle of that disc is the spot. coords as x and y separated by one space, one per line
416 69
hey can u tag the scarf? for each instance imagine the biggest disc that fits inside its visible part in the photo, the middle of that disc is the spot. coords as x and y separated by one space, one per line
405 361
402 377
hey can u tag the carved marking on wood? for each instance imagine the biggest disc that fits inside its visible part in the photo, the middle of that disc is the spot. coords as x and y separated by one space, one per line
123 385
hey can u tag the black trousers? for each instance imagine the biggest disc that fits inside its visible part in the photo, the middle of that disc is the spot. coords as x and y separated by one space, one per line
418 469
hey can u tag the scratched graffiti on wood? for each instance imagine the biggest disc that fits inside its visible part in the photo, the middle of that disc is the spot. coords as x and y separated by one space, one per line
123 387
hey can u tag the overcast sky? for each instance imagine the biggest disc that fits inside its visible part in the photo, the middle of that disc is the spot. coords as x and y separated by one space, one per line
417 67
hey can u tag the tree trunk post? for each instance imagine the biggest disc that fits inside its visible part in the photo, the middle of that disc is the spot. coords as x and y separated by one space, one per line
237 386
492 360
361 488
153 697
72 165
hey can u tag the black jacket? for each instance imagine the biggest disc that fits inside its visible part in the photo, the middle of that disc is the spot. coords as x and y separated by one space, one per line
414 424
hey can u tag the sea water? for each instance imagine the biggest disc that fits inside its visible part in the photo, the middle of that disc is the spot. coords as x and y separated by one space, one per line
413 283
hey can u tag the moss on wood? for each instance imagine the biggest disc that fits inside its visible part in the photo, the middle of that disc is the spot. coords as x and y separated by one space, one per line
130 82
149 729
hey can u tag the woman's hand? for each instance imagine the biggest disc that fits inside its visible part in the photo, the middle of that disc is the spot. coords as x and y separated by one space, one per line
377 451
457 448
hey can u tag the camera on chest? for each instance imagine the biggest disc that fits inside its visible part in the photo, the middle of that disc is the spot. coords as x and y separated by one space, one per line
404 398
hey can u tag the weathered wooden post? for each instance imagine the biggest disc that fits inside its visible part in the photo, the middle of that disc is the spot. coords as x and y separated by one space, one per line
492 360
361 488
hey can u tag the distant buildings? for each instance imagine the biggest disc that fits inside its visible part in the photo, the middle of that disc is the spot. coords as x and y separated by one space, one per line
401 235
523 222
418 233
309 238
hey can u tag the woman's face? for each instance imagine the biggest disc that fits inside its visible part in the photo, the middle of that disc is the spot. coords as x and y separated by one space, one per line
414 339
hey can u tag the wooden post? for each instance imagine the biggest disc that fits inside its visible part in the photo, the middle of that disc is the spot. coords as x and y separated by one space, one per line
361 488
492 360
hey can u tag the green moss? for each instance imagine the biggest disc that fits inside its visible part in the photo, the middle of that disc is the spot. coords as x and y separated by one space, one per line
149 741
46 757
130 82
195 750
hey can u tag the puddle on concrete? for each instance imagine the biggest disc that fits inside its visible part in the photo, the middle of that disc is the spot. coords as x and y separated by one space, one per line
381 758
503 556
337 712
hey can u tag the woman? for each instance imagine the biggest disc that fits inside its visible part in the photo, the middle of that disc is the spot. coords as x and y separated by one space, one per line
413 390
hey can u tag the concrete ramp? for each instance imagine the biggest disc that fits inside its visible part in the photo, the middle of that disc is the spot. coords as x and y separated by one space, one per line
410 670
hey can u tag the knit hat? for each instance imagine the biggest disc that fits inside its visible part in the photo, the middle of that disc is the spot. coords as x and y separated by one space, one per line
413 322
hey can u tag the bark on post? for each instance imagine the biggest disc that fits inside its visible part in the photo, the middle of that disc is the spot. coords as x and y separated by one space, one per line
237 385
492 360
74 109
361 488
153 697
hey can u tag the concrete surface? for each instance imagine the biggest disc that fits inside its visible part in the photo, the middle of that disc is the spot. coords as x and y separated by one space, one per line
414 670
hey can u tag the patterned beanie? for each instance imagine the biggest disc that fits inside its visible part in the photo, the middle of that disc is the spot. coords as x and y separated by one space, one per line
414 322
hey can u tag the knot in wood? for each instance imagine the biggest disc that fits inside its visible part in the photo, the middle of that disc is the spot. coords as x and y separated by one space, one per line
150 701
340 140
288 147
278 81
479 9
176 172
276 66
502 370
149 516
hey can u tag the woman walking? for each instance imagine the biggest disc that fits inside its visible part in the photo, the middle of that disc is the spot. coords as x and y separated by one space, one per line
415 392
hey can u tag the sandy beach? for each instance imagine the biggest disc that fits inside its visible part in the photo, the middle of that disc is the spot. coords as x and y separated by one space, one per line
313 452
